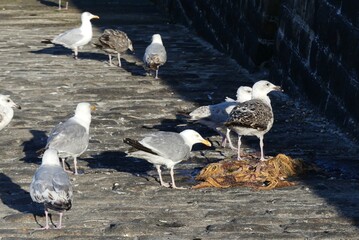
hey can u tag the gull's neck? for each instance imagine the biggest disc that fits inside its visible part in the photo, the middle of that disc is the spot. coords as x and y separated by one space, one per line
8 113
262 96
84 120
86 26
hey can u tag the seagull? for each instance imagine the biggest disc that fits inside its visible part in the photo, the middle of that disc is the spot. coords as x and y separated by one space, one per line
155 54
253 117
166 148
51 186
6 110
78 37
114 42
71 138
214 116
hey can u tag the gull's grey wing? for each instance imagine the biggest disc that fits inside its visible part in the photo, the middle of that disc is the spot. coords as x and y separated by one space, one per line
69 137
250 114
52 186
168 145
155 55
69 38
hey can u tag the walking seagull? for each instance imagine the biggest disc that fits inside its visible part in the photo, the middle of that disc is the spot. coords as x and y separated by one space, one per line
166 148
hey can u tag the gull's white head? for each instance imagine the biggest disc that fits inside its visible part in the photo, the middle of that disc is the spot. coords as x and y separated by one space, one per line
156 38
50 157
86 16
192 137
244 94
261 88
6 102
83 114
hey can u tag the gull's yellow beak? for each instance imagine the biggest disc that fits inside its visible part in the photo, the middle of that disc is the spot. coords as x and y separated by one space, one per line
206 142
95 16
93 107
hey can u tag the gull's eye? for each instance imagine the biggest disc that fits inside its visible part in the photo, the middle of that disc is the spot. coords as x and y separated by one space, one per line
8 100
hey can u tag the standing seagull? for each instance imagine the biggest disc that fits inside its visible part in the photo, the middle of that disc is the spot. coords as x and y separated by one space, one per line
253 117
114 42
214 116
78 37
155 54
166 148
6 110
71 138
51 185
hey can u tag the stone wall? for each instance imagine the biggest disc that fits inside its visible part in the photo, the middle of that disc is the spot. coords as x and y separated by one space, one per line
310 45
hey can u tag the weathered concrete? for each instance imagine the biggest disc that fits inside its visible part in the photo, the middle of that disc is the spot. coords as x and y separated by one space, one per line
48 84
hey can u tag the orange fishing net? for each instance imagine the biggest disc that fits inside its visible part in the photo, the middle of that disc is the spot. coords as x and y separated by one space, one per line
262 175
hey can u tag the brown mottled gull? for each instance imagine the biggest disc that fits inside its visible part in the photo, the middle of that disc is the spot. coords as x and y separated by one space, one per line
166 148
114 42
51 186
253 117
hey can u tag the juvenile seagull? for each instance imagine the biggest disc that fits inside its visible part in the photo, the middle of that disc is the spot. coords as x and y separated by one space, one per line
155 54
78 37
166 148
253 117
214 116
51 186
6 110
114 42
71 138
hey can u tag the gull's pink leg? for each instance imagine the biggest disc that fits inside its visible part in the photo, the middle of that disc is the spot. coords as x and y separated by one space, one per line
228 137
59 4
60 221
239 148
47 221
110 59
119 59
75 163
158 167
173 180
156 77
261 144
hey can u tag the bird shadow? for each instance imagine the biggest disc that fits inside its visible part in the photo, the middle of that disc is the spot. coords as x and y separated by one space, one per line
58 50
48 3
32 147
13 196
119 161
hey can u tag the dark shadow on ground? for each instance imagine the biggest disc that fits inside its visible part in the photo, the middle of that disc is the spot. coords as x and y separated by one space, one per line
118 161
49 3
13 196
32 148
58 50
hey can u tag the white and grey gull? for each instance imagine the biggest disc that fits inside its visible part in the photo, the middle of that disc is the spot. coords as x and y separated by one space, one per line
253 117
214 116
78 37
6 110
166 148
114 42
71 138
52 187
155 54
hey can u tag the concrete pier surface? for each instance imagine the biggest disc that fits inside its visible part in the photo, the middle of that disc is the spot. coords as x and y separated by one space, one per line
120 198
